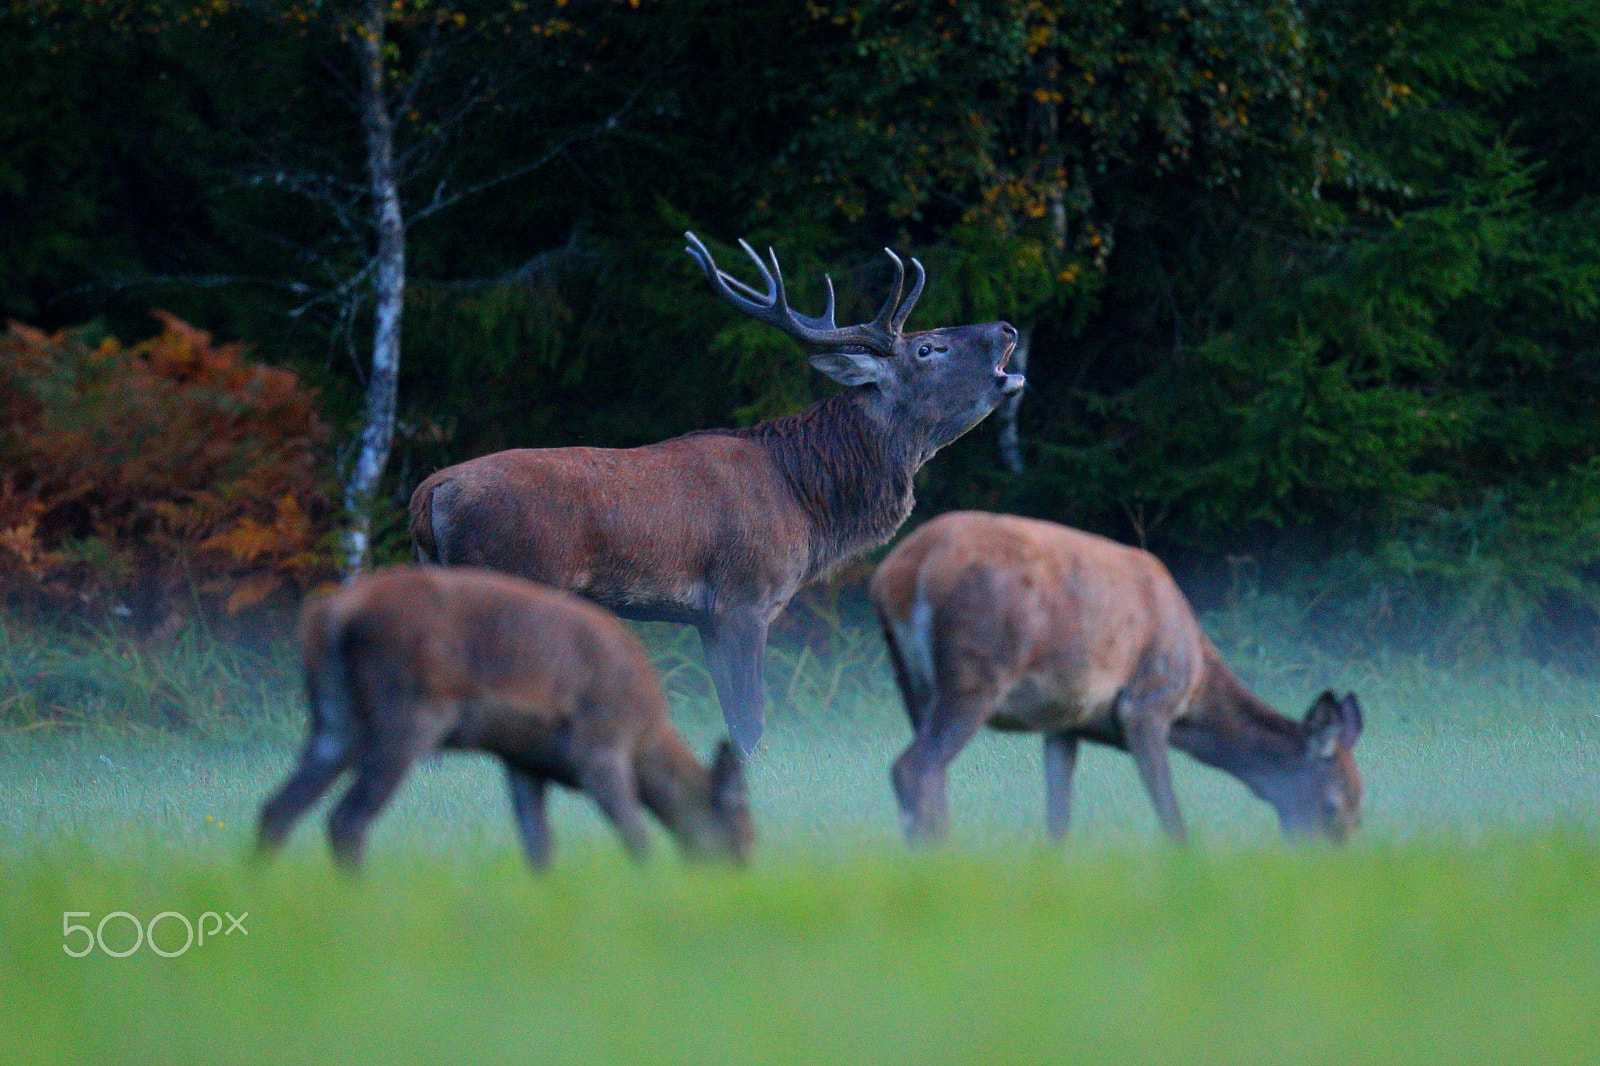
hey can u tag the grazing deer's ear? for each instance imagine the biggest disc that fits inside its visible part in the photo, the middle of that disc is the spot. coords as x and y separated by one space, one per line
728 790
851 368
1350 720
1325 725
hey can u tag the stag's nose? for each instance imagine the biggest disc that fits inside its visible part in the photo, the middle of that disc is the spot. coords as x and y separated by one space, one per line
1010 331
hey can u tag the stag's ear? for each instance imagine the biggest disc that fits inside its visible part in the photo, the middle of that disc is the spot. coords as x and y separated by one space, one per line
852 368
728 790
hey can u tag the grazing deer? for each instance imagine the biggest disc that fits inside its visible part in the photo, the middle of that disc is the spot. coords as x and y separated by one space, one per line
1030 626
409 660
719 528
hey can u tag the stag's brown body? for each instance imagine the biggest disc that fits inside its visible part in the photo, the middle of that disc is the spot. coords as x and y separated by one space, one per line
1031 626
413 659
720 528
675 530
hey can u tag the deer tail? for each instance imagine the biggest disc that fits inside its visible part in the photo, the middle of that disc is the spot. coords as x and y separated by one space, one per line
328 682
421 522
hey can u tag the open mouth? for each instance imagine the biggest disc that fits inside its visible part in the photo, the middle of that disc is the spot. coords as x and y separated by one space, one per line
1009 384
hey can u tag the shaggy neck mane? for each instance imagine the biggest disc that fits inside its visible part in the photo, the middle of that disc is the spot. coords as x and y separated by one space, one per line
842 469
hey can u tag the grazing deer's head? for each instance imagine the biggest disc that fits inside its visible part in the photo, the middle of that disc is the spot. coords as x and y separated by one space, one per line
1322 797
721 829
932 385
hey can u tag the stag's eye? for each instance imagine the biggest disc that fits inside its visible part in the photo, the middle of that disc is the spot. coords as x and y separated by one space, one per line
924 351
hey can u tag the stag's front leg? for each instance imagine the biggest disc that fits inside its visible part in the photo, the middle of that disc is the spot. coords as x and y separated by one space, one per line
736 648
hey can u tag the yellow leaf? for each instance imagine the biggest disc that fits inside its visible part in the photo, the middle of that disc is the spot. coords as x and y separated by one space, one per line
245 541
251 591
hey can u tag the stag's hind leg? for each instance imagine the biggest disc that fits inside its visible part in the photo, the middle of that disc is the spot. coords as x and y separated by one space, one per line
1060 760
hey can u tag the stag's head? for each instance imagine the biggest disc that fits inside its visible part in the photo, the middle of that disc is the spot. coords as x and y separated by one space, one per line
935 384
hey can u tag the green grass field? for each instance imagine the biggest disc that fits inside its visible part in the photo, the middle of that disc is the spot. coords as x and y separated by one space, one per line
1462 926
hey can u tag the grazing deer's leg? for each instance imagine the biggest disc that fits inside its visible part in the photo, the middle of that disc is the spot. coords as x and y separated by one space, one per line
527 803
915 690
736 646
1060 759
379 771
919 773
1146 730
377 778
325 757
609 781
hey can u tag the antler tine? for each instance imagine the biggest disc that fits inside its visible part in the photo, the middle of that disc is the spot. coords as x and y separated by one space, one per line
827 279
898 322
823 323
772 306
886 313
733 290
773 297
755 297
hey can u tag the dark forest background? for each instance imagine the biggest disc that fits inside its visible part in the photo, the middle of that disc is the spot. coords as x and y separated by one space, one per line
1312 286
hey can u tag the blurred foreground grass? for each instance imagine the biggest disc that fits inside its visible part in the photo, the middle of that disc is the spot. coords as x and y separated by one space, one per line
1418 952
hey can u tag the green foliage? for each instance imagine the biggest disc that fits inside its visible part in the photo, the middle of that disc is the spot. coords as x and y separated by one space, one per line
1306 281
1374 343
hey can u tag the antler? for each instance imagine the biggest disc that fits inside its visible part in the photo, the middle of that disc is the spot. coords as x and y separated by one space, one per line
772 306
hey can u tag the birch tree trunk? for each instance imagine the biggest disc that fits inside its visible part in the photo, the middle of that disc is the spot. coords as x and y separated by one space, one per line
389 284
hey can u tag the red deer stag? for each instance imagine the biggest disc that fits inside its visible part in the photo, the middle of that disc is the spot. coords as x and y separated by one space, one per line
719 528
410 659
1030 626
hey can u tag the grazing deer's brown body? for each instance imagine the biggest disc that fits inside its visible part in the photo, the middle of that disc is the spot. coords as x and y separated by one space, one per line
720 528
1028 625
410 659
